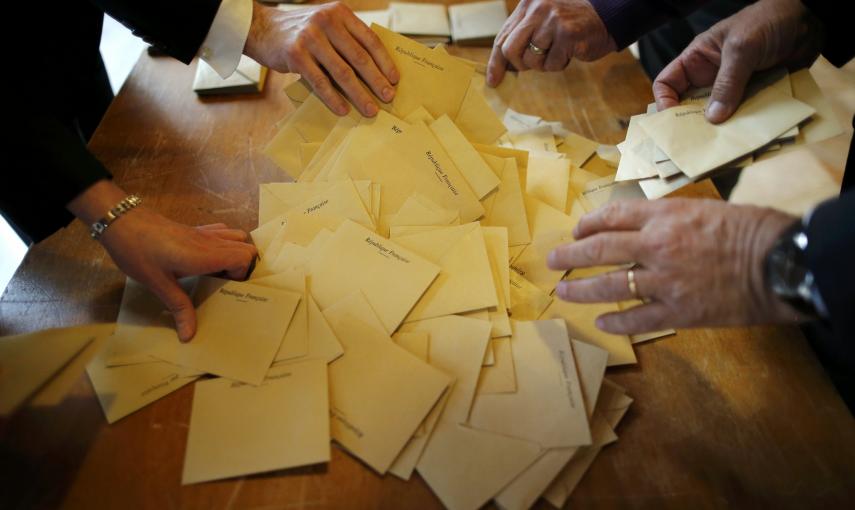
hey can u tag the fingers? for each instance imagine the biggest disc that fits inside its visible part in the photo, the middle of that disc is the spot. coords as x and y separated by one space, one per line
601 249
167 289
670 84
228 234
558 56
639 319
497 66
213 226
542 38
516 44
369 40
607 288
619 215
344 76
357 56
308 68
729 87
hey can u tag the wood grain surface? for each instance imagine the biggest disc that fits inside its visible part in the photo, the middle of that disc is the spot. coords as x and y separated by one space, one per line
740 418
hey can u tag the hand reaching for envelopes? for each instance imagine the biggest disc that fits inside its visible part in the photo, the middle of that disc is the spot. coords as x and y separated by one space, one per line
761 36
322 42
700 264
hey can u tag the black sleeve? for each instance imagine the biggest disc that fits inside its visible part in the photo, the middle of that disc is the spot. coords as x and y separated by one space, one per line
49 166
627 20
831 259
178 27
839 45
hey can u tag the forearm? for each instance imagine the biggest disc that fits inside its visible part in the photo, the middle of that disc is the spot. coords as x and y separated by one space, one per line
627 20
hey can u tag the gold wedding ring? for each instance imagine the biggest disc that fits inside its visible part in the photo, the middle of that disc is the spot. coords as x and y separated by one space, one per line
630 282
536 49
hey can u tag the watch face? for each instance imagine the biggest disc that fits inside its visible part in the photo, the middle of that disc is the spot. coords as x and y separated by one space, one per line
785 265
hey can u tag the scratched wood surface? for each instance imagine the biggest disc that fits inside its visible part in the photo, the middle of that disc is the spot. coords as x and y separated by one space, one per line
730 417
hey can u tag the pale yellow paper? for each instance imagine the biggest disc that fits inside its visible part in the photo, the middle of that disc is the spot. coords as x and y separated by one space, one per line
30 360
58 387
391 277
430 79
124 389
578 148
547 386
237 429
508 208
465 281
478 175
528 302
379 393
357 306
240 327
547 179
478 121
419 115
501 376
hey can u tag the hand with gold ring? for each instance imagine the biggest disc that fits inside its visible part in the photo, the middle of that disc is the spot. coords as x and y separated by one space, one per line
545 34
700 263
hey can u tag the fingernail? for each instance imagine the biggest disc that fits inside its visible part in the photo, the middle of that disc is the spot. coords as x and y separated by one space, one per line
716 111
388 93
561 289
371 109
601 323
341 109
394 76
551 259
576 231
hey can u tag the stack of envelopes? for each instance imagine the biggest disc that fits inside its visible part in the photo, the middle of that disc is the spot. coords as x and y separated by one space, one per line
401 307
664 151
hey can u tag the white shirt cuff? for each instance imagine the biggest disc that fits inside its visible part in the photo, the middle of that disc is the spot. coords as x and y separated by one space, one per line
226 38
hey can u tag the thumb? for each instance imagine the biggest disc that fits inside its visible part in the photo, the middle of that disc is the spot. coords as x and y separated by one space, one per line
179 305
733 75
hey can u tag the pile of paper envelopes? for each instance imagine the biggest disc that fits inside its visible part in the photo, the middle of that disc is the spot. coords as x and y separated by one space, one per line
667 150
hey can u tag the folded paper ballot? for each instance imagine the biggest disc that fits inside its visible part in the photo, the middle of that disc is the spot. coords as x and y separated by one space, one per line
475 23
249 77
664 151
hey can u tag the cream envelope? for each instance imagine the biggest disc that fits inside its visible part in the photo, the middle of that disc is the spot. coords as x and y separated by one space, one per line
657 188
560 489
240 328
419 19
476 118
550 228
637 153
416 343
456 348
524 490
580 319
266 232
405 159
465 281
282 423
356 305
124 389
578 148
379 393
307 152
391 277
419 210
508 207
419 115
328 148
143 322
311 122
478 175
547 385
547 179
277 198
295 342
430 79
697 146
536 139
58 387
501 376
29 360
466 467
824 124
527 301
477 22
496 241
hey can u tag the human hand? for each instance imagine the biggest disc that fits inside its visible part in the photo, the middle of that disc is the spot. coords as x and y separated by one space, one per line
700 263
322 40
565 29
156 251
763 35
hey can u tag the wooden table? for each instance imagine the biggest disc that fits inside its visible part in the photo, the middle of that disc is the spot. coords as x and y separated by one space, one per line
729 417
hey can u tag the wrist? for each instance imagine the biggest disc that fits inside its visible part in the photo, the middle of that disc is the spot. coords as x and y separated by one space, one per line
257 27
768 230
91 205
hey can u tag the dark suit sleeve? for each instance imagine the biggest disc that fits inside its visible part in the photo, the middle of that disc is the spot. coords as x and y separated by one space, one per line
831 259
178 27
50 166
627 20
838 46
